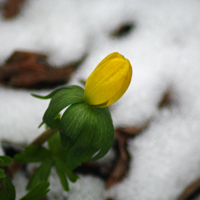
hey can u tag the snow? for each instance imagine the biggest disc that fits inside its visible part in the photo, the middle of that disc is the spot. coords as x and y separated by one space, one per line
80 190
163 48
20 181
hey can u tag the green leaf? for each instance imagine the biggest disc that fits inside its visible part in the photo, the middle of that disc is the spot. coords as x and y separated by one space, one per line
5 161
9 190
72 177
54 143
61 174
104 136
41 174
40 124
56 121
62 154
2 174
70 174
81 147
49 95
60 100
3 196
72 123
37 192
84 131
33 154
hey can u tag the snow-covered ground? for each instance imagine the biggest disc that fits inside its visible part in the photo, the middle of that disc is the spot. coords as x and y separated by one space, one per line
163 48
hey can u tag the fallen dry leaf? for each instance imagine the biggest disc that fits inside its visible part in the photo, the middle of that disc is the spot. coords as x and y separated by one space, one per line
120 169
95 169
31 70
192 191
167 99
12 8
123 30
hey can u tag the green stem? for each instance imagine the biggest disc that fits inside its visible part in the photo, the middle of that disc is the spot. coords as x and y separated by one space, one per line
40 140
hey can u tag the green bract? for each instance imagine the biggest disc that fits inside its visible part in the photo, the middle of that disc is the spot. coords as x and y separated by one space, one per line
60 99
86 131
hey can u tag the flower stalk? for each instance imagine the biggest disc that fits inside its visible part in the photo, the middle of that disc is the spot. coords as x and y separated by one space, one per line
40 140
86 127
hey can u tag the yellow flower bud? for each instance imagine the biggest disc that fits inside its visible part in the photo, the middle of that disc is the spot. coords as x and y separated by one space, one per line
109 81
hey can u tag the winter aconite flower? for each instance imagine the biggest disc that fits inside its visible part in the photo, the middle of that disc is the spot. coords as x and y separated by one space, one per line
109 81
86 127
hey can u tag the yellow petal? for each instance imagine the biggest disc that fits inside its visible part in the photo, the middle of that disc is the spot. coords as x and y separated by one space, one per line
109 81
